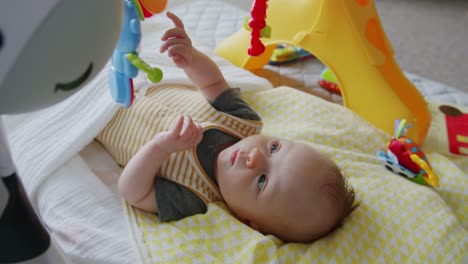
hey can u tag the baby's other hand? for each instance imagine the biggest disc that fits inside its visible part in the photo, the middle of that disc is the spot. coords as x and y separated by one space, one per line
184 135
177 43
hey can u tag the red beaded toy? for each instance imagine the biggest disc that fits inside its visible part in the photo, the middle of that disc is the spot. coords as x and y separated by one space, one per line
257 23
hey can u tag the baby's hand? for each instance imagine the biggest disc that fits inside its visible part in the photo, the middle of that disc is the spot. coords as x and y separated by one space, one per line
184 135
177 43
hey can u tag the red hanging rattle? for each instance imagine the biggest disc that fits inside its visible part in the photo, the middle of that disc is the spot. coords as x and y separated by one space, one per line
256 24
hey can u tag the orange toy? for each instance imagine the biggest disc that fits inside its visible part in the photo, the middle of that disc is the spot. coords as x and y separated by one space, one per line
154 6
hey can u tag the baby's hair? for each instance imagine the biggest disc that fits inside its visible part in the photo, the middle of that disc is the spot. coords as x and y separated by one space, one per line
349 199
345 193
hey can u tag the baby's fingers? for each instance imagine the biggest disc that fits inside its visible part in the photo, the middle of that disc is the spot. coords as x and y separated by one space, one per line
174 42
191 133
174 33
196 137
175 19
199 135
178 125
174 37
188 129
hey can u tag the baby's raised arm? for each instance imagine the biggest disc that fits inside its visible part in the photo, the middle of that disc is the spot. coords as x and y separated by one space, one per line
200 69
136 183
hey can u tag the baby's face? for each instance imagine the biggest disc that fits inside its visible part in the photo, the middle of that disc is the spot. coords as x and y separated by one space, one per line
279 187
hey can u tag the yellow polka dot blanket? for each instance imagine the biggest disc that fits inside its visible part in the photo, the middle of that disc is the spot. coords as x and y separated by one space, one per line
397 221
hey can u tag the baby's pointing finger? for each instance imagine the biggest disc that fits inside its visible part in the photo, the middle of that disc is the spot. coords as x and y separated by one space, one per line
175 19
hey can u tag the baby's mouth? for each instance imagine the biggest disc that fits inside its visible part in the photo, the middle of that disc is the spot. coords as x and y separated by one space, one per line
234 156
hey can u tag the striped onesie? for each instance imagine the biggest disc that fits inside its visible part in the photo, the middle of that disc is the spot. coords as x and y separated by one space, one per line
186 181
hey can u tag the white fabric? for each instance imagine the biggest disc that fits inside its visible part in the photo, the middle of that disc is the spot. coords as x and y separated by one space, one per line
84 216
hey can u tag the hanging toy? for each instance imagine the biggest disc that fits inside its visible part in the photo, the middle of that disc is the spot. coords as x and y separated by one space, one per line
405 158
258 27
150 7
125 60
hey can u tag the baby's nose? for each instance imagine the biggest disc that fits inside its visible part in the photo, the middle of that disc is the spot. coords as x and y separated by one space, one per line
253 157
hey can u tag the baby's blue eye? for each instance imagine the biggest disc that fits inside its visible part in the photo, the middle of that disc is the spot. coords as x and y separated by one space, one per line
273 147
261 181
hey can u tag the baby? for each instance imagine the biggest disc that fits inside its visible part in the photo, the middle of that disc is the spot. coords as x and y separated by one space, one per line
273 185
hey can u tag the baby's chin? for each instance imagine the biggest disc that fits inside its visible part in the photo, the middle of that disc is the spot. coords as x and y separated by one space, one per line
224 153
222 160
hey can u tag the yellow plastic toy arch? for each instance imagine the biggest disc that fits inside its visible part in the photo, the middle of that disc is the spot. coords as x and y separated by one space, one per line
347 36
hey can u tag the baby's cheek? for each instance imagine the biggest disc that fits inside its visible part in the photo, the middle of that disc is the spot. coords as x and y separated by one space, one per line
229 184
